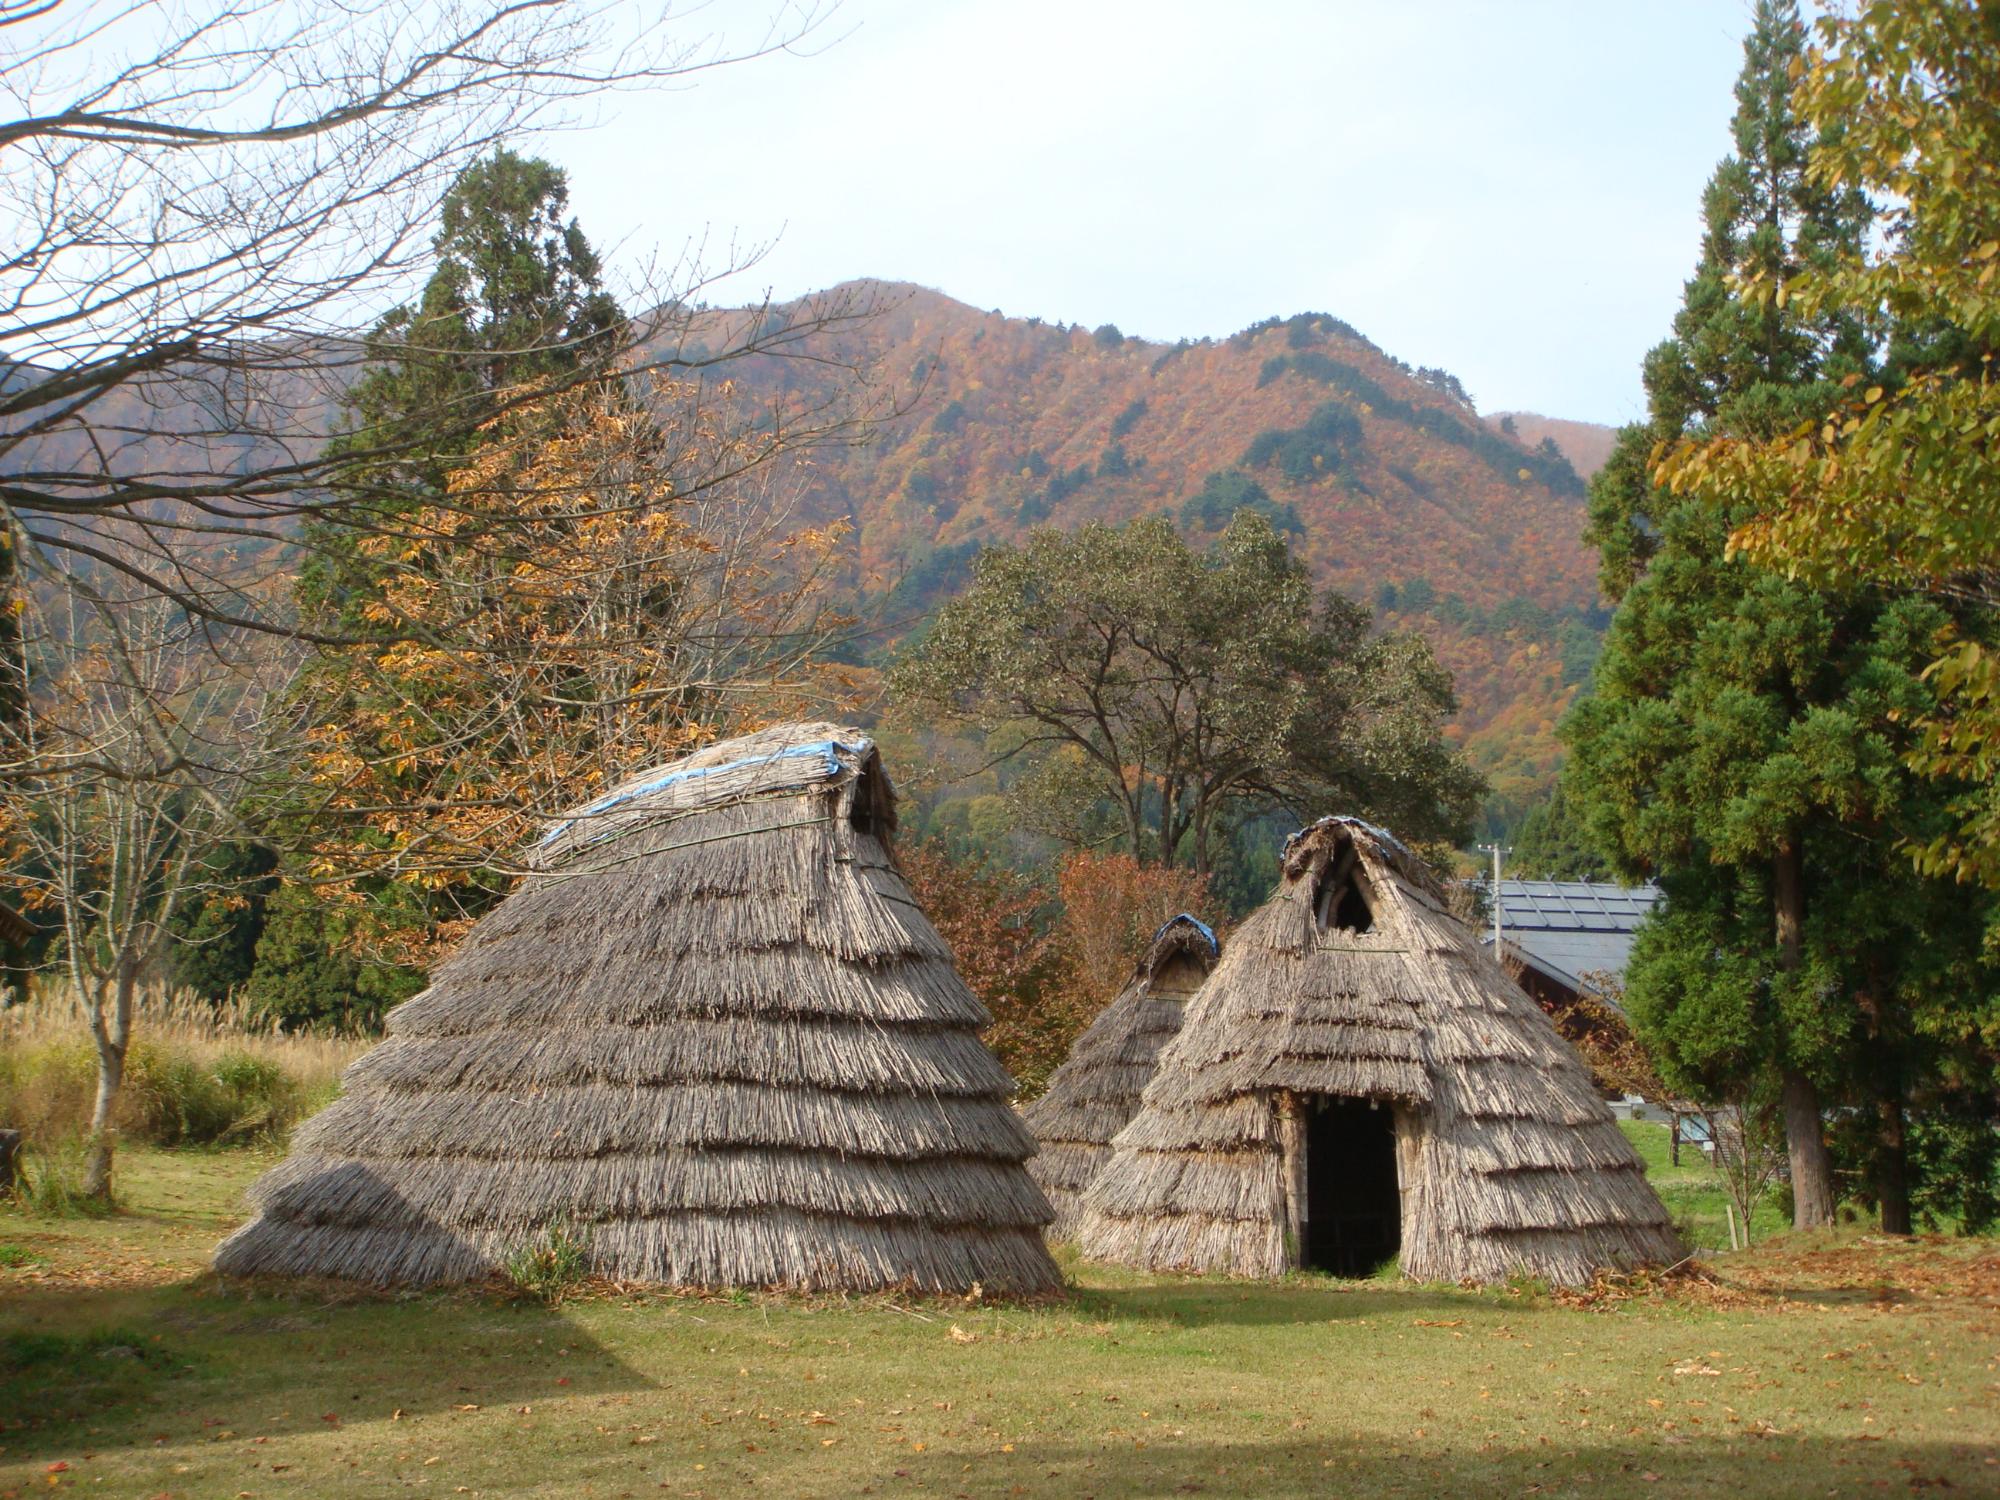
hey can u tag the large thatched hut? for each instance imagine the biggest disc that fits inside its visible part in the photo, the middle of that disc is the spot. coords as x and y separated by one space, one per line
1359 1080
1092 1096
711 1036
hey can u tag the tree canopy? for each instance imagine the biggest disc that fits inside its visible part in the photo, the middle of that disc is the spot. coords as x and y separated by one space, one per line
1743 742
1893 479
1178 687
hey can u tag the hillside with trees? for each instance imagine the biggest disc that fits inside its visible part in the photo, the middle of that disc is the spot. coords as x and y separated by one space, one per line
1384 479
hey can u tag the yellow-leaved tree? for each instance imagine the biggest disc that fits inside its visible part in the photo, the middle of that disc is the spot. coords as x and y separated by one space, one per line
608 583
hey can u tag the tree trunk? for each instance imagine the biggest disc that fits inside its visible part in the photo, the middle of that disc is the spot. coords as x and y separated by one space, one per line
1202 856
103 1135
1805 1138
1892 1164
114 1038
1135 826
1805 1142
10 1161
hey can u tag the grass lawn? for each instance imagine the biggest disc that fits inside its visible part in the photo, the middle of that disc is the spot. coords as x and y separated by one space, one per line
1694 1192
1835 1365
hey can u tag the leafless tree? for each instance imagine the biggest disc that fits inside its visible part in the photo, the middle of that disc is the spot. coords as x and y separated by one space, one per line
208 202
122 774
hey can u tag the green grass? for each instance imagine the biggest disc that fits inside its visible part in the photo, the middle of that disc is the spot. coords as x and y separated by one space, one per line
1837 1365
1694 1192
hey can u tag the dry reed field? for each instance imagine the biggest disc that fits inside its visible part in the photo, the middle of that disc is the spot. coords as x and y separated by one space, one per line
1834 1365
198 1073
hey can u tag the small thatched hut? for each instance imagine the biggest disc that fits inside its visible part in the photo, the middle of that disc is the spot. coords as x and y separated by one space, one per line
712 1036
1092 1096
1359 1080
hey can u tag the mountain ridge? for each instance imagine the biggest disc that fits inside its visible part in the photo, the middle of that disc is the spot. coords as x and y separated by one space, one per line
1393 488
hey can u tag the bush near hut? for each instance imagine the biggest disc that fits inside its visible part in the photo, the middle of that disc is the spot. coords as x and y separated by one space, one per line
197 1074
997 923
1111 907
1046 954
552 1266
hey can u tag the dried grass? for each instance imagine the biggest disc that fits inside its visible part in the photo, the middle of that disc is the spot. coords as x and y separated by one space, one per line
1095 1093
714 1034
1510 1161
197 1072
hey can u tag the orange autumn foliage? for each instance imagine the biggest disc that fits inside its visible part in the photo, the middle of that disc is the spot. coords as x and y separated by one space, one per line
1111 907
612 589
1045 958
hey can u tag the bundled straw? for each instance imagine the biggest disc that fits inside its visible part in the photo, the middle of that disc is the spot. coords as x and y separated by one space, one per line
713 1037
1096 1091
1509 1161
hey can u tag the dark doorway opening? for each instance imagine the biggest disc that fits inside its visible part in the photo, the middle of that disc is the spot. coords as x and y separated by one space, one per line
1354 1209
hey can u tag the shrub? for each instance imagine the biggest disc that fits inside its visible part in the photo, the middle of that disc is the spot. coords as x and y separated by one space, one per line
550 1267
53 1183
183 1100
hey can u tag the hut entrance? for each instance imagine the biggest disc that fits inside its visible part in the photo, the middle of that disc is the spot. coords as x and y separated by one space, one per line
1354 1209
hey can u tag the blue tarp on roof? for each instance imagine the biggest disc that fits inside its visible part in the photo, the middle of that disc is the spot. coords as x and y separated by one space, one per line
1207 932
826 754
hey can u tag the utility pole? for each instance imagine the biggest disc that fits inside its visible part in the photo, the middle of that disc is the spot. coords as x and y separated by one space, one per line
1496 850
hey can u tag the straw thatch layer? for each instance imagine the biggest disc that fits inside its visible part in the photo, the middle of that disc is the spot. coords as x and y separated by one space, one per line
712 1037
1092 1096
1508 1159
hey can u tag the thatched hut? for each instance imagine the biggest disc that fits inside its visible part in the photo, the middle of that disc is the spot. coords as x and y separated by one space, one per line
1093 1095
711 1036
1359 1080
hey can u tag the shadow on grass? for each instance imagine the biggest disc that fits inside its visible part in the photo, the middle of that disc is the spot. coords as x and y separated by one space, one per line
127 1367
1295 1301
1280 1467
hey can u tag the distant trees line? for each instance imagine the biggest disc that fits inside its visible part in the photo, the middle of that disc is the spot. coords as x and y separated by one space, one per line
1577 632
1545 462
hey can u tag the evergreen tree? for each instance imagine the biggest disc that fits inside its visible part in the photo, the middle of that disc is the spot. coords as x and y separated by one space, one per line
1552 844
516 298
1742 743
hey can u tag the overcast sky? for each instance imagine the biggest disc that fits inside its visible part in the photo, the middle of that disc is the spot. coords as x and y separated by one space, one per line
1509 189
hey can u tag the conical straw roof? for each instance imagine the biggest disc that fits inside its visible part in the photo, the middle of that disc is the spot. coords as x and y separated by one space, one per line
1508 1160
712 1036
1092 1096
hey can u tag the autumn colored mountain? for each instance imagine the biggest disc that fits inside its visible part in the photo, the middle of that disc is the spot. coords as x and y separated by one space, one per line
1585 444
1391 486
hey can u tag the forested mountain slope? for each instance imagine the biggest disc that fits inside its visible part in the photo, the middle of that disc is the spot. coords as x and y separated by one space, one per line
1392 486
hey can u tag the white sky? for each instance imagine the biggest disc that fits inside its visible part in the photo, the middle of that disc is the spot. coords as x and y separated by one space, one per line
1509 190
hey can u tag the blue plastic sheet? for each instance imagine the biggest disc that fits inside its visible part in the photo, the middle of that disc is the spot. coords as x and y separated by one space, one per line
1207 932
827 752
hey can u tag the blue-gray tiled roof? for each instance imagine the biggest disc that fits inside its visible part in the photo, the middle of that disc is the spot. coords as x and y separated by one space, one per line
1568 928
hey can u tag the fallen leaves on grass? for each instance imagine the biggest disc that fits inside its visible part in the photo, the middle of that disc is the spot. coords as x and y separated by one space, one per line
1796 1273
